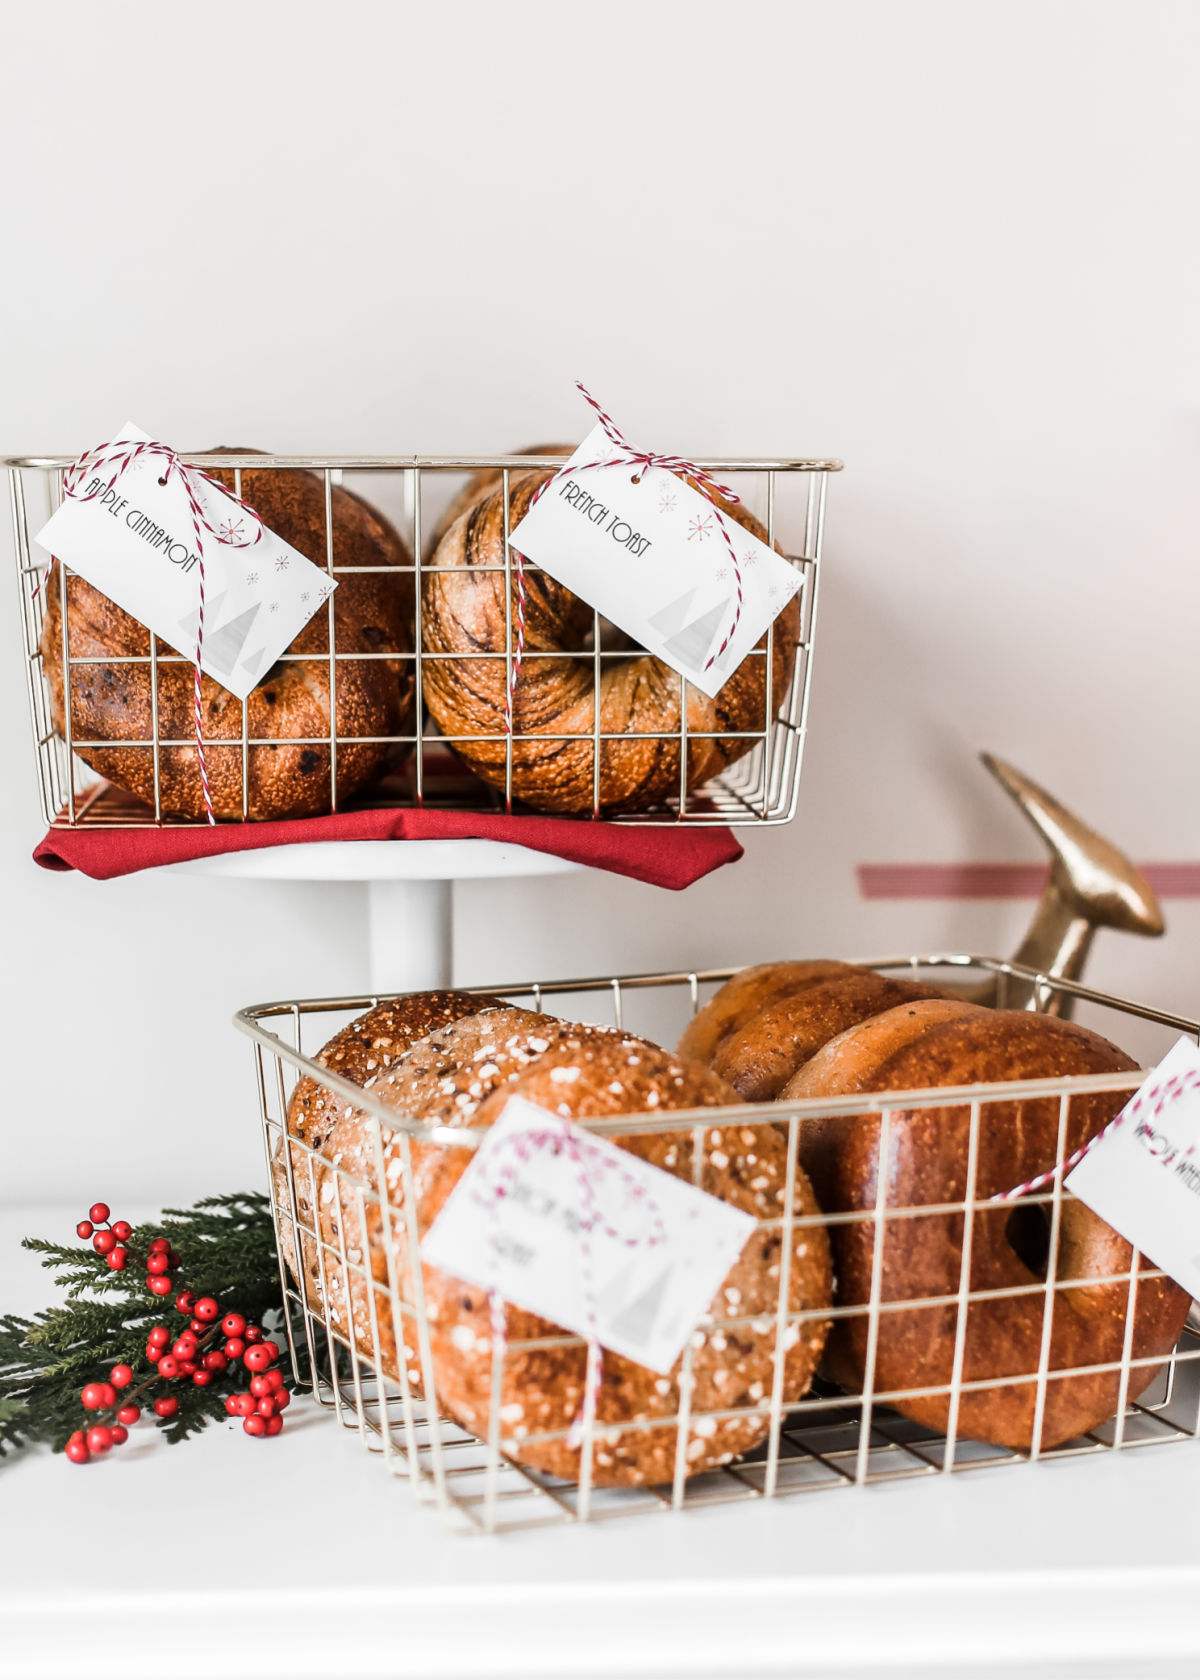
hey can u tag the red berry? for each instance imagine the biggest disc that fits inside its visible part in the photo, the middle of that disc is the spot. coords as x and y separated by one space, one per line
167 1406
282 1399
96 1396
202 1378
260 1387
254 1425
128 1414
122 1230
234 1348
98 1213
160 1335
160 1245
84 1228
104 1242
119 1434
169 1367
252 1333
156 1264
266 1407
117 1259
207 1309
215 1362
243 1404
274 1425
231 1404
99 1439
184 1302
176 1262
272 1349
120 1376
233 1324
77 1451
185 1347
158 1285
188 1367
256 1359
275 1378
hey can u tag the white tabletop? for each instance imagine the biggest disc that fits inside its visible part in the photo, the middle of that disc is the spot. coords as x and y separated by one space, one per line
299 1557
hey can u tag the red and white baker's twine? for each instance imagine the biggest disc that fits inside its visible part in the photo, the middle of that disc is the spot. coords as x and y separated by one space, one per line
1151 1097
643 461
558 1135
120 457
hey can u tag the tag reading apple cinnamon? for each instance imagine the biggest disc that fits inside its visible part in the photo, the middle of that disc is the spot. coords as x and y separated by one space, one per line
136 544
647 551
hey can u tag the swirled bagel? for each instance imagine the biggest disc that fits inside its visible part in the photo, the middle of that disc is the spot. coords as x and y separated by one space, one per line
374 696
927 1044
464 615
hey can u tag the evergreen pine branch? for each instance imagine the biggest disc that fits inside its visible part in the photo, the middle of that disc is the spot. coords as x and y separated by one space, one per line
227 1247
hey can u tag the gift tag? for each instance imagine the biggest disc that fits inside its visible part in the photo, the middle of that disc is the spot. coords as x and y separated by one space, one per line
570 1227
1143 1174
651 557
136 543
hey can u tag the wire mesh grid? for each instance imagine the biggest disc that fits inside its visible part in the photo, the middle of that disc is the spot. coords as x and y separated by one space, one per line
760 787
853 1432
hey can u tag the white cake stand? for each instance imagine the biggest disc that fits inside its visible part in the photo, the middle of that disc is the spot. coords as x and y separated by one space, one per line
408 892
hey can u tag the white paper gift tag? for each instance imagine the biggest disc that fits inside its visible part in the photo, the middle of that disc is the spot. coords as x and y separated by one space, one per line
631 1257
136 543
652 559
1143 1175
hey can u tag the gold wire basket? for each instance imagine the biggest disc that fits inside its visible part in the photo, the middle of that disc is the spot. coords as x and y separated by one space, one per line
832 1439
759 788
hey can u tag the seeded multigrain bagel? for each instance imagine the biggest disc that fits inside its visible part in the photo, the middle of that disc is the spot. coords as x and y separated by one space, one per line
373 615
928 1044
766 1022
441 1081
464 614
733 1364
363 1053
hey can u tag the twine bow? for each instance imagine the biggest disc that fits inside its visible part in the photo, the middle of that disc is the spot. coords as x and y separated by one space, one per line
119 457
642 460
560 1137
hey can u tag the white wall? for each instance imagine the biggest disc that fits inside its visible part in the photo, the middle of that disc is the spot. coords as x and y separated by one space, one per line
954 243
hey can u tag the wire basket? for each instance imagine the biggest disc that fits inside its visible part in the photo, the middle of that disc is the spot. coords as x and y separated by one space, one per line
760 787
835 1437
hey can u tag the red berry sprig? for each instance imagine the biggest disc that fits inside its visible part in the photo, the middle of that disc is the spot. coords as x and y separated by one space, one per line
192 1357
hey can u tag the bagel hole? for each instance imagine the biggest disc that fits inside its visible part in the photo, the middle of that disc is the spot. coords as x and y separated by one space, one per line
1027 1231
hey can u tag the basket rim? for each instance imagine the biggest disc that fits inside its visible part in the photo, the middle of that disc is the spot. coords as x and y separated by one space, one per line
247 1020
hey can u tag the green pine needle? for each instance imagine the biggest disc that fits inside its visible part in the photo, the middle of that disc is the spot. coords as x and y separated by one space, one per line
227 1247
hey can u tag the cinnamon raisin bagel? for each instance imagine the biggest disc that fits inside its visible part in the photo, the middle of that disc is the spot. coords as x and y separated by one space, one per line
374 696
930 1044
464 614
767 1022
733 1349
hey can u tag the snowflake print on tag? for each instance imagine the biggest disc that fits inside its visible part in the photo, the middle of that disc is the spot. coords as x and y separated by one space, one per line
274 606
231 530
281 565
251 577
304 594
701 527
749 559
668 501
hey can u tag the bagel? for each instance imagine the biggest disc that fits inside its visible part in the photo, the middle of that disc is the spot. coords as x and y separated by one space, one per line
932 1043
373 613
466 612
767 1021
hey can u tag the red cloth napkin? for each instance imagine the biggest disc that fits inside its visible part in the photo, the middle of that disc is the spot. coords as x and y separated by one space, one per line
672 857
